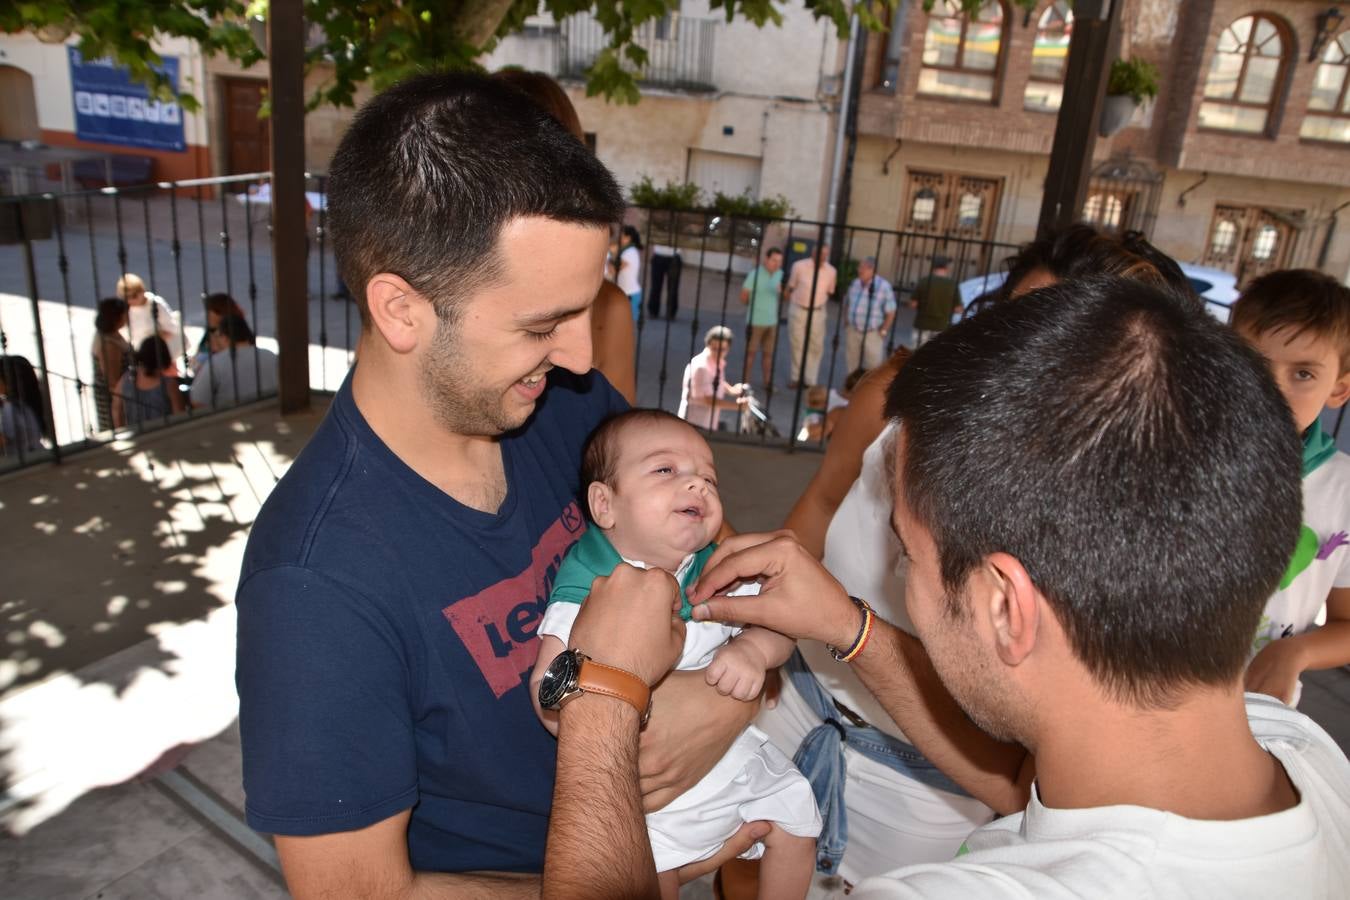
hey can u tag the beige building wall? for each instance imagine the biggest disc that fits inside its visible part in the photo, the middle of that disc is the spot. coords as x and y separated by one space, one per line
881 180
1181 228
653 138
767 106
324 126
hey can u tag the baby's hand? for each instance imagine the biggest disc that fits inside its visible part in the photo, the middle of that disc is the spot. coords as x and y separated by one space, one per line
738 669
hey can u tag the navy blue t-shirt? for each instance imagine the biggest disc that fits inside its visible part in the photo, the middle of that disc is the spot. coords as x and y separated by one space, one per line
387 633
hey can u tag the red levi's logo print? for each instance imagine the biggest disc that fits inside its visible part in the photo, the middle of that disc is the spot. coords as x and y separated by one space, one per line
497 624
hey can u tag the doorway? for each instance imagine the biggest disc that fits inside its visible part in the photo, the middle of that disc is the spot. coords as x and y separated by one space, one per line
247 137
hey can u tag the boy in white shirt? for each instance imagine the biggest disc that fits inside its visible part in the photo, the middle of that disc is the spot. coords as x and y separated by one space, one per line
1299 320
651 487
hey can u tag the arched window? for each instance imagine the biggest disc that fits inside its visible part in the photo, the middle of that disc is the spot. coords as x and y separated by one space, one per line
1328 117
962 56
1104 210
925 207
1244 76
1223 240
1263 248
970 210
1049 59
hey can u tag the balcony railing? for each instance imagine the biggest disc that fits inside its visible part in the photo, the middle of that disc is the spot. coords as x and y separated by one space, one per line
679 51
61 253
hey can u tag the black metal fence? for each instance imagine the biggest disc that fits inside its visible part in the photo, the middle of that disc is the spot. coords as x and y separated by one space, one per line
708 261
189 241
61 253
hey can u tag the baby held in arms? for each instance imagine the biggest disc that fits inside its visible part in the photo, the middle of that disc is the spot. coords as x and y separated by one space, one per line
651 487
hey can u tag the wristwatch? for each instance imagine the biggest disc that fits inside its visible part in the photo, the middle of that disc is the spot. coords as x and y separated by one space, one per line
573 673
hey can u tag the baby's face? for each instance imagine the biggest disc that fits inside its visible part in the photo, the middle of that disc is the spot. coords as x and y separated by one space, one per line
1307 368
664 504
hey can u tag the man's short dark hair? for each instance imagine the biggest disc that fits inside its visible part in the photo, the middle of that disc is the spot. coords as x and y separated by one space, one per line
1301 300
600 457
432 169
773 250
235 329
1131 452
1081 251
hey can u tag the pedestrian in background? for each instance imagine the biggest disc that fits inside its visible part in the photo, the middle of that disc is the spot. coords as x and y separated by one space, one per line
762 291
809 287
629 277
936 300
869 312
112 356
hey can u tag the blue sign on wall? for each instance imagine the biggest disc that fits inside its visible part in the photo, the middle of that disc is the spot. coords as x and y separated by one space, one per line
110 108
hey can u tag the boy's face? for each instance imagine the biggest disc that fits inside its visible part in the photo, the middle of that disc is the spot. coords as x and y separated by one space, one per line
1307 368
664 504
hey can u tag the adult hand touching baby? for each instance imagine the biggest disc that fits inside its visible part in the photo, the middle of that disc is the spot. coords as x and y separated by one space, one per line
797 596
627 622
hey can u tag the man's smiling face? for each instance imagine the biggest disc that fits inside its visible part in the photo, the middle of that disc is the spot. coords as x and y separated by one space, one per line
483 372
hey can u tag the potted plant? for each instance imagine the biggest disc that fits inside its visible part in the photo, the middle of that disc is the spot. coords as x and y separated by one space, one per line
674 209
749 215
1132 81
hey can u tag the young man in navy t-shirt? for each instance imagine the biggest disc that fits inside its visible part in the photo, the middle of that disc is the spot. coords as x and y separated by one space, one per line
394 579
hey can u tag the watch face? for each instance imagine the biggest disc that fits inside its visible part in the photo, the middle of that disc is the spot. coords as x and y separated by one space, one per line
559 679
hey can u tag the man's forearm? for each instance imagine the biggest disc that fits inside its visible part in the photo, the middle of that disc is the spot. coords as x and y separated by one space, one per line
597 838
895 668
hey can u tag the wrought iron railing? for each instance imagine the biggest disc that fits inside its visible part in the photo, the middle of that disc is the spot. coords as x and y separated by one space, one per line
189 240
61 253
717 252
679 50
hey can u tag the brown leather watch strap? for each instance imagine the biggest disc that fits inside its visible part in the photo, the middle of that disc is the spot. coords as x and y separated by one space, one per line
598 678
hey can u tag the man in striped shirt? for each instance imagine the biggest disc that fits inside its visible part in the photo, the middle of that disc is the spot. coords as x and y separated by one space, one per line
869 312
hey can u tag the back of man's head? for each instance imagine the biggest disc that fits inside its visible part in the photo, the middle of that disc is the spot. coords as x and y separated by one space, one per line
432 169
1132 453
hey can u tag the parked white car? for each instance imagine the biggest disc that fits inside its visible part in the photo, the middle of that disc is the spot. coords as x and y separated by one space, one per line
1215 286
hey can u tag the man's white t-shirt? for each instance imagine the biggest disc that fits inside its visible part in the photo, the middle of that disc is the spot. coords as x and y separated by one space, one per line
1322 560
1130 851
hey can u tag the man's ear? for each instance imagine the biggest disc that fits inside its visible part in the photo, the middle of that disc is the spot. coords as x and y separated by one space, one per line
1011 604
397 311
600 498
1341 392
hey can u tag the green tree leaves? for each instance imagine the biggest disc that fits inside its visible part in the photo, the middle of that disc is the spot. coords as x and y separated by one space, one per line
380 42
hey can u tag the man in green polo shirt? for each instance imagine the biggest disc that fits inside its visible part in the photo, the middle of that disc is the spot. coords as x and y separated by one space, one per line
936 299
762 290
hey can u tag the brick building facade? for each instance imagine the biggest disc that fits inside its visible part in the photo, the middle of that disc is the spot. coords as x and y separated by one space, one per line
1229 166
